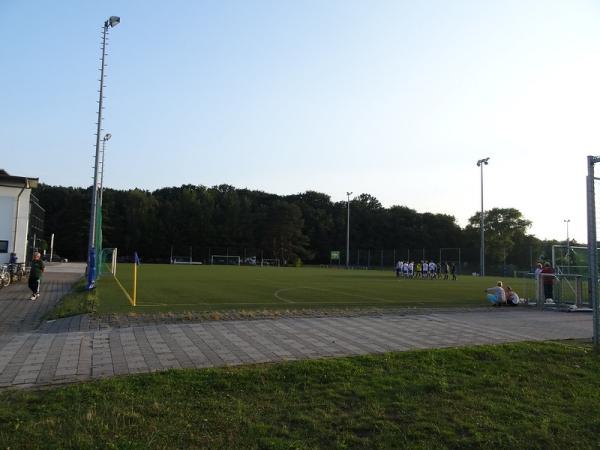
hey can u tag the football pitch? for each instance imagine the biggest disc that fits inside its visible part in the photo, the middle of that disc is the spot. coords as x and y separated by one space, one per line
178 288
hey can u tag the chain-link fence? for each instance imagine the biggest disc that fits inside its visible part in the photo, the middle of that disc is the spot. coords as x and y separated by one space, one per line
466 260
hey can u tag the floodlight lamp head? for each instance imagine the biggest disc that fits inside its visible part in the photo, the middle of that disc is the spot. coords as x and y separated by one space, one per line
112 21
107 136
483 161
348 194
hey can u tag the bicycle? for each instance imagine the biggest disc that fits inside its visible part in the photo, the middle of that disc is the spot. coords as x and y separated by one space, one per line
5 277
17 271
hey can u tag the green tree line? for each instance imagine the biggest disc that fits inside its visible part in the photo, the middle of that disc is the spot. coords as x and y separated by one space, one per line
304 226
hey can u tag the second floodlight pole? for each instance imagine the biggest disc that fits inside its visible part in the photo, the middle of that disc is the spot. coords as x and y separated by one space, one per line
480 164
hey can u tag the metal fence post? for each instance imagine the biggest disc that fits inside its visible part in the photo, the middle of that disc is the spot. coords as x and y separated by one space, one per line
540 291
592 242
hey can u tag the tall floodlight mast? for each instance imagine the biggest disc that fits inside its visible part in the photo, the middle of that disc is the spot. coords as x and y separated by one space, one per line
112 22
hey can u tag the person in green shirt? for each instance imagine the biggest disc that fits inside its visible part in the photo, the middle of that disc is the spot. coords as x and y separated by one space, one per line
35 275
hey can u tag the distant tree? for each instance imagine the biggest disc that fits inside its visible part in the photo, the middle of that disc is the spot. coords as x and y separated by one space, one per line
67 216
504 227
284 238
306 225
319 222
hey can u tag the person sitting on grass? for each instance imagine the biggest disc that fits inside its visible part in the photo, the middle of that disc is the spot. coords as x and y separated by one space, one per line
496 295
512 299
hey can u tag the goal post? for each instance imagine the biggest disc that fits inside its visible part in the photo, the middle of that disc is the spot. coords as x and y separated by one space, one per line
186 260
108 261
273 262
571 259
451 254
227 260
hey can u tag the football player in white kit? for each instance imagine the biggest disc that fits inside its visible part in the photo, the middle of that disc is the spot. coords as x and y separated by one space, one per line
432 270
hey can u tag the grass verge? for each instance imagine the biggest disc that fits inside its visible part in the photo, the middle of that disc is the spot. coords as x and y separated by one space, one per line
531 395
78 301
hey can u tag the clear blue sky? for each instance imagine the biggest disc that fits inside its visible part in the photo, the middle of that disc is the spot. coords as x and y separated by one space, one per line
393 98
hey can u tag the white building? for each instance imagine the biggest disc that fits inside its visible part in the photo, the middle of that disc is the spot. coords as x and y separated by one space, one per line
15 198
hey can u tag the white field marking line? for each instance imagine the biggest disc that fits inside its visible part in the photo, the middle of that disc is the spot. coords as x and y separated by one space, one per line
172 304
124 291
279 297
351 295
283 299
247 303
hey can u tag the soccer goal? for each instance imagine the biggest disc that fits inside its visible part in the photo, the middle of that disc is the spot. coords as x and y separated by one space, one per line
108 261
225 260
269 262
184 260
570 259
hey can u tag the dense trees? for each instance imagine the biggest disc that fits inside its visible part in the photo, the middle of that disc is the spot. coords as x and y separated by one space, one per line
505 230
304 226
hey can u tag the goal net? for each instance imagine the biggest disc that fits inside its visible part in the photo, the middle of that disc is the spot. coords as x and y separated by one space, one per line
108 261
570 259
225 260
562 291
184 260
269 262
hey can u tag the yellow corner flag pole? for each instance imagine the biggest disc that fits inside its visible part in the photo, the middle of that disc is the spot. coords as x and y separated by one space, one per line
134 283
135 265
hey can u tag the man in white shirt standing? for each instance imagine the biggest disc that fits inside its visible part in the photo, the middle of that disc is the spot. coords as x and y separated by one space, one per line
432 270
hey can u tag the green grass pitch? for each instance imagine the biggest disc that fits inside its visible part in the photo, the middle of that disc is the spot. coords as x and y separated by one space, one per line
178 288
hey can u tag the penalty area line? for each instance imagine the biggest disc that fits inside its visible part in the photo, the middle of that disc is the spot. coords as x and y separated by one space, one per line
333 291
330 291
283 299
124 291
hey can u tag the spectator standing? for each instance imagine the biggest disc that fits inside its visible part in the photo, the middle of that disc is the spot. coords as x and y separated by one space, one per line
35 275
538 270
548 277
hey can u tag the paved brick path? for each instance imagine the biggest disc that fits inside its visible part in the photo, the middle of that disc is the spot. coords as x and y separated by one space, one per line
36 358
18 313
